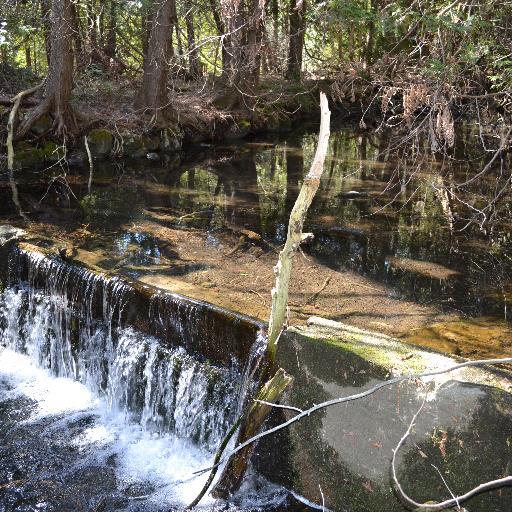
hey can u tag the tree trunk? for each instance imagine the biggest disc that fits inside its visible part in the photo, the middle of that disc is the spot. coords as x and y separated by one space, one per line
297 23
46 10
194 65
153 95
59 83
111 44
28 56
224 38
244 22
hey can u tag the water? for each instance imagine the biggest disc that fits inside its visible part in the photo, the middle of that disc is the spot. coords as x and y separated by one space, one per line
152 414
383 209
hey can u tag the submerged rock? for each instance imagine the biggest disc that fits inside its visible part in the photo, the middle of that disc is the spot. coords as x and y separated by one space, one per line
100 142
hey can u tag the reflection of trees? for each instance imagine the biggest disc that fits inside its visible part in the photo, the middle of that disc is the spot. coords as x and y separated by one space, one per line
476 451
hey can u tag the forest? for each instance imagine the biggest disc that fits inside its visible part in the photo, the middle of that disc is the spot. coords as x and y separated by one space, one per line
192 65
255 255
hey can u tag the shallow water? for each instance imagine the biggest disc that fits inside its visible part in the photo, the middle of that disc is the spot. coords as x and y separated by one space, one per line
383 210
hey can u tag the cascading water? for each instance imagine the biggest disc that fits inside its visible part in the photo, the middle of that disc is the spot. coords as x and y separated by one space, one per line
67 322
164 389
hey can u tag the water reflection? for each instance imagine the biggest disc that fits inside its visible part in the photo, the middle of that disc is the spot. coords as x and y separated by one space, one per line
393 215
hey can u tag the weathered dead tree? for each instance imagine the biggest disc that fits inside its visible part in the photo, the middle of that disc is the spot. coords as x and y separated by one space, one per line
283 268
16 101
269 392
59 83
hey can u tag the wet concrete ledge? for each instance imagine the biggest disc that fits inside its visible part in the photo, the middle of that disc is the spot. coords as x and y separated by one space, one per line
205 330
342 454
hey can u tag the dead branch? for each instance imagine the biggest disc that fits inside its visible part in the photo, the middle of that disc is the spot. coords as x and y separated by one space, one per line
283 268
455 501
315 295
357 396
16 101
10 123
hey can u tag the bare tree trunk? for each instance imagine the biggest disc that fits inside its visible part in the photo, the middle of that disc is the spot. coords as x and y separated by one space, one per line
59 83
153 95
46 9
296 46
221 30
111 46
297 216
194 65
254 417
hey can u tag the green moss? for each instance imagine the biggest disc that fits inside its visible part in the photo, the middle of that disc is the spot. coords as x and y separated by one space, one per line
100 142
26 155
244 124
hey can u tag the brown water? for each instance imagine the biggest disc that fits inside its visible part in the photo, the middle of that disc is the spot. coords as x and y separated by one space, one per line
390 214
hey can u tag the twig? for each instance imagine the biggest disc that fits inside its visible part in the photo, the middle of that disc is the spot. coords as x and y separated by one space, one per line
357 396
218 455
313 297
259 295
455 500
89 183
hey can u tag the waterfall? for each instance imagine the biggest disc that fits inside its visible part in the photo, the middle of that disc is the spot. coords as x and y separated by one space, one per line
72 322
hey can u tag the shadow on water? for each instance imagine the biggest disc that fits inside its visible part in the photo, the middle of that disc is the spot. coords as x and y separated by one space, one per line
381 212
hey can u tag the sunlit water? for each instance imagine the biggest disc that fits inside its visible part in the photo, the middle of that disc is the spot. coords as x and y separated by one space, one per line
163 463
103 397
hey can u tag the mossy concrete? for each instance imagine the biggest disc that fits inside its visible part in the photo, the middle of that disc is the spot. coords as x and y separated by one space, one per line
345 450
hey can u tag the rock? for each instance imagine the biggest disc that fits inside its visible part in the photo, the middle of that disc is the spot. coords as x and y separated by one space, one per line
238 130
153 156
171 139
42 125
100 142
26 155
134 147
52 152
77 157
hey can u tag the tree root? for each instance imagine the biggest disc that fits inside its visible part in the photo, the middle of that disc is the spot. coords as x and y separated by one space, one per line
10 148
64 122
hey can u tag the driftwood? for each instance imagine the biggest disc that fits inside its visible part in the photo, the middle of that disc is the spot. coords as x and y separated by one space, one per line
16 101
253 419
283 268
231 478
7 101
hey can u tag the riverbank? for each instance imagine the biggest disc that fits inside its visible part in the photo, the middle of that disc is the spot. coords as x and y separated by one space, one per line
114 128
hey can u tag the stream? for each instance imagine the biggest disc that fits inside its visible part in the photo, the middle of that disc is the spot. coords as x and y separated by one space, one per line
117 383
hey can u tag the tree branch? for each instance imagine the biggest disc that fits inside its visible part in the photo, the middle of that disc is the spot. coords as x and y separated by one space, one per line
357 396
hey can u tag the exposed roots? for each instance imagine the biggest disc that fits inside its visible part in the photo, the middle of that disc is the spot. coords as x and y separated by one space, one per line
65 121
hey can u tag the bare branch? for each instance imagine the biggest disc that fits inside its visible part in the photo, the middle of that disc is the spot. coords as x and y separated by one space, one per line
455 500
357 396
